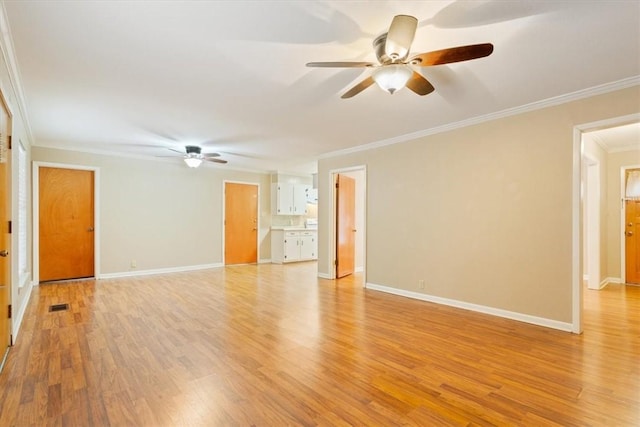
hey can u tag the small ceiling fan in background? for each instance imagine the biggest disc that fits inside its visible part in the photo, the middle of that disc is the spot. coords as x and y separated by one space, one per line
193 156
394 71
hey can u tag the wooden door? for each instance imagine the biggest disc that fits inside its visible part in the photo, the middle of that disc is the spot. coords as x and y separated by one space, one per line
632 241
345 225
66 224
241 223
5 237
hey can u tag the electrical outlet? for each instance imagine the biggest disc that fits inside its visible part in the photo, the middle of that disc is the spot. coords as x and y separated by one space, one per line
134 264
420 284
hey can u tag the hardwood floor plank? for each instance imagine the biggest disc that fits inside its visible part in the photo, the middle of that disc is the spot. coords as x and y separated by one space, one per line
275 345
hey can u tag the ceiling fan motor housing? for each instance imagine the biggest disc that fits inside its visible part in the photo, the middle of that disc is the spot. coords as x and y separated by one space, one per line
378 47
192 149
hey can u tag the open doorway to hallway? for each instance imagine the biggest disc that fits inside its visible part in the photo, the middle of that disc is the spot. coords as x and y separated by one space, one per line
609 154
609 151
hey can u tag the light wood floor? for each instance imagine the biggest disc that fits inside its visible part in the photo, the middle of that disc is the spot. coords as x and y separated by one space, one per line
273 345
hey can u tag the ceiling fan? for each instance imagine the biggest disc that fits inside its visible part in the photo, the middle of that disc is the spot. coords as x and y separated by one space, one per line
394 70
193 156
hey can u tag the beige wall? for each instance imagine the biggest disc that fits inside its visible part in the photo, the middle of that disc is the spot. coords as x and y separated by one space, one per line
596 153
161 214
615 161
482 214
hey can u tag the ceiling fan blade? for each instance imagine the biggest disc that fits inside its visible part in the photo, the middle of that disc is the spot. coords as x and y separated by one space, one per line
358 88
419 84
177 151
207 155
215 160
343 64
453 54
400 36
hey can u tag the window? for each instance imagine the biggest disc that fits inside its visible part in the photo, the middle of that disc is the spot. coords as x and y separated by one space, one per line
23 269
633 185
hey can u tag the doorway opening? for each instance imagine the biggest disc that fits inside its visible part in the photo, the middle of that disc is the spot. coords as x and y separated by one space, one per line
599 149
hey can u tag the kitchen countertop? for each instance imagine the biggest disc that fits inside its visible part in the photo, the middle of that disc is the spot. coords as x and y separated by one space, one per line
292 228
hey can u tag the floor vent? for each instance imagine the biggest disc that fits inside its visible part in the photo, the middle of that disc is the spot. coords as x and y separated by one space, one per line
58 307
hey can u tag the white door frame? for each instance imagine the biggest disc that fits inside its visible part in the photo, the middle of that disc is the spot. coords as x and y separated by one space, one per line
36 214
224 219
577 251
333 176
623 220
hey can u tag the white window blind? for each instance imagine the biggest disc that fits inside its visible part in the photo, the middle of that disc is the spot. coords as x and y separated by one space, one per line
22 214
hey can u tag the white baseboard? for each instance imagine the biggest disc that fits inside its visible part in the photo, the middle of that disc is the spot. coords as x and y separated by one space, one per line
264 261
540 321
159 271
605 282
359 269
17 320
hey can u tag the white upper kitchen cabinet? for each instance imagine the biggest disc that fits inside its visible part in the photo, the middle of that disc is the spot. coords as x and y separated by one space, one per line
289 199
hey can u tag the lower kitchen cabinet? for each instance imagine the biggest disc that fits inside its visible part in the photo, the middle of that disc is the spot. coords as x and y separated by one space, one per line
293 245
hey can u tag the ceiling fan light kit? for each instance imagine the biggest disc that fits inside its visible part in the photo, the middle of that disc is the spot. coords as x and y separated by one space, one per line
393 72
192 161
193 156
392 78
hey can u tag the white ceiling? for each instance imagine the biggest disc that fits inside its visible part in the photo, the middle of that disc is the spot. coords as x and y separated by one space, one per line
135 77
617 139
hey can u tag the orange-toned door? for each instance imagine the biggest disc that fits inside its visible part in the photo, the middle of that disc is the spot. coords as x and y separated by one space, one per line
66 224
632 241
241 223
5 237
345 225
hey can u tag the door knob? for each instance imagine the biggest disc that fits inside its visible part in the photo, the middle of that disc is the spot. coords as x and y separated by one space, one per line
4 253
90 229
629 233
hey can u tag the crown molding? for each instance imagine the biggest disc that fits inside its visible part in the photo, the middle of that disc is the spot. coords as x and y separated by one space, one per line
538 105
624 149
9 57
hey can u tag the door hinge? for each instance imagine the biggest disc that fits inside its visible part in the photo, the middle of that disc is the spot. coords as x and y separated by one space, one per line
9 312
9 227
9 141
337 185
335 262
